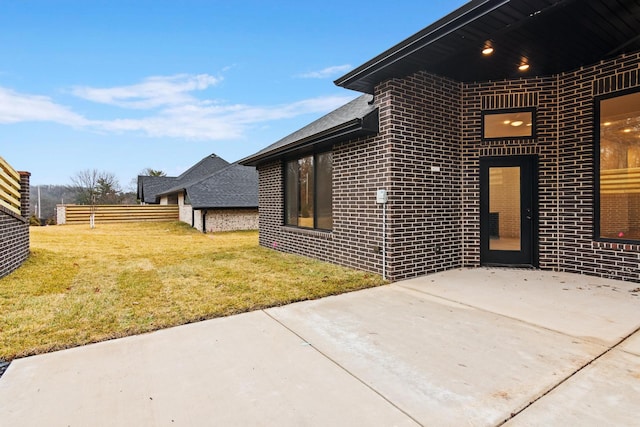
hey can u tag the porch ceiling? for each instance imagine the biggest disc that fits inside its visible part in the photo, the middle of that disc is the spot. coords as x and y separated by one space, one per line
552 36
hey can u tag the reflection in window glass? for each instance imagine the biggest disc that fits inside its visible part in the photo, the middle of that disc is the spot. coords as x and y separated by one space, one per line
504 208
515 124
291 193
306 212
308 191
324 173
619 174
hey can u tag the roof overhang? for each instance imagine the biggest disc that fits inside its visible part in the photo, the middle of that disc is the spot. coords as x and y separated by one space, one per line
355 128
552 36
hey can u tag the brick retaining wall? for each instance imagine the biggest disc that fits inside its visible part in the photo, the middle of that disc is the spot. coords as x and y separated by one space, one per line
14 241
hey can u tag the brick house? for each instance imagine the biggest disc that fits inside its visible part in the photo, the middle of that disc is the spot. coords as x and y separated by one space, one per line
506 133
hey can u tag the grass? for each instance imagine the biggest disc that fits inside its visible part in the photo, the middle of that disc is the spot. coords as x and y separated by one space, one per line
81 286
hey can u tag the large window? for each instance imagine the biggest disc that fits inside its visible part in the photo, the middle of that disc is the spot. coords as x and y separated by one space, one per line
618 167
308 191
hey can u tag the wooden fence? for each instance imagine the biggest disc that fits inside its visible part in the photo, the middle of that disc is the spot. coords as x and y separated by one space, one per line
9 187
80 214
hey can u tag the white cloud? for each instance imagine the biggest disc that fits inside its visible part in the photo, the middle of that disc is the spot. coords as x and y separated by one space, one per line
17 107
152 92
210 121
325 73
173 111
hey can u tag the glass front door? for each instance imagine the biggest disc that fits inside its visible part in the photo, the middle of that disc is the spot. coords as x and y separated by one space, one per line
508 225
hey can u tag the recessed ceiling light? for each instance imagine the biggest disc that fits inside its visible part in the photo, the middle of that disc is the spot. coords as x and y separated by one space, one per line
528 124
627 130
607 123
517 123
488 50
523 67
506 122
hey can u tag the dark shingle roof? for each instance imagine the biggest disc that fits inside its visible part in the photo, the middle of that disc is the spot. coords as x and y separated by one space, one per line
202 169
150 186
356 118
235 186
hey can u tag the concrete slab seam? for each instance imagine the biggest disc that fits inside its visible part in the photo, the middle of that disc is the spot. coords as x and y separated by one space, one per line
608 350
345 369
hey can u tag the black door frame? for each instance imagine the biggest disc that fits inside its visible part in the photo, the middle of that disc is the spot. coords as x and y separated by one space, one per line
528 255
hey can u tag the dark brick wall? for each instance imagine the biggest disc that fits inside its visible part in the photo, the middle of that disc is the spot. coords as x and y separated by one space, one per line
425 218
24 193
418 131
427 156
578 252
541 94
14 231
14 241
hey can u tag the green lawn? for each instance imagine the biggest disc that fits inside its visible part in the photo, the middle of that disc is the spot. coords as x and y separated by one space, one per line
81 285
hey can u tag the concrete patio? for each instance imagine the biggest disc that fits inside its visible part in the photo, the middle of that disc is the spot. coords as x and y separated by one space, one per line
474 347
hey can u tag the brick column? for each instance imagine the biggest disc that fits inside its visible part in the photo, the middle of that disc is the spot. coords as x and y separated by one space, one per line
24 193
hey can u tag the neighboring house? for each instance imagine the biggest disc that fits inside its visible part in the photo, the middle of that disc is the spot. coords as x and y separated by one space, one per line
213 195
149 187
225 200
506 133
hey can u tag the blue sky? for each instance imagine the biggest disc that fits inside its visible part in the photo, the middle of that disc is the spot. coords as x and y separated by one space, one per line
121 86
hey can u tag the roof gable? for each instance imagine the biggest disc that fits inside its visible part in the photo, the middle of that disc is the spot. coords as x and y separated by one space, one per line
203 168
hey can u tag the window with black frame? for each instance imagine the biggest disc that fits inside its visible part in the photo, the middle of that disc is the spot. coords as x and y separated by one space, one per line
518 123
308 191
618 167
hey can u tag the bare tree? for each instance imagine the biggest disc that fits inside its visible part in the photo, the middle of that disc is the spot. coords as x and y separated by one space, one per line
95 187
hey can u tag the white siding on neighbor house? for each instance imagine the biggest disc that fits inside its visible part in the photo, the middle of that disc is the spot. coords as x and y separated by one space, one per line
231 220
164 200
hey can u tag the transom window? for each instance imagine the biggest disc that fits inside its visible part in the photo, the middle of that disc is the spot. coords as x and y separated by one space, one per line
308 191
618 167
505 124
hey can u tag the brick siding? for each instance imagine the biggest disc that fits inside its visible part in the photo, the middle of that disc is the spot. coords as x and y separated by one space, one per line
14 241
427 133
427 156
14 231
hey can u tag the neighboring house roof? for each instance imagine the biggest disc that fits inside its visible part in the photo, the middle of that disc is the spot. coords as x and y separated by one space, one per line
356 118
235 186
203 168
552 36
150 188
